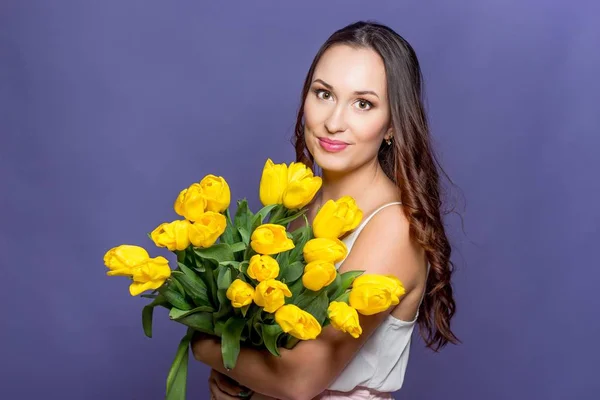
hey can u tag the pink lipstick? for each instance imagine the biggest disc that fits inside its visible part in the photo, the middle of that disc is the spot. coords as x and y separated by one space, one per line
332 146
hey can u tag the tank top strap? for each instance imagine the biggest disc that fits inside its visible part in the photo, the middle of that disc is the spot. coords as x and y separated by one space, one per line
362 225
359 229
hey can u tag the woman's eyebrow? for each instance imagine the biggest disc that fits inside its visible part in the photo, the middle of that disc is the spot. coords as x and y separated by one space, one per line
359 92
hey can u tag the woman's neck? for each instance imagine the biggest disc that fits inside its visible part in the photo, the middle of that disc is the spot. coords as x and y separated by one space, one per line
355 183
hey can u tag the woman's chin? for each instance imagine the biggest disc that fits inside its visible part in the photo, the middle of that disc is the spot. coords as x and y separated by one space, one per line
331 163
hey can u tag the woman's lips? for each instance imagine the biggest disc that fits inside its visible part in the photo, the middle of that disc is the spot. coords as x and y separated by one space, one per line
332 146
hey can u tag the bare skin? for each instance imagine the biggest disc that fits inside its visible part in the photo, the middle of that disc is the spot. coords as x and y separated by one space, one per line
348 102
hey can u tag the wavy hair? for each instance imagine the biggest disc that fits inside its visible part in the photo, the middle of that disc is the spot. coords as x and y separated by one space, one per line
409 162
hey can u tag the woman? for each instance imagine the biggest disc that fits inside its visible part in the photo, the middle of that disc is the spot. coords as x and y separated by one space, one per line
363 124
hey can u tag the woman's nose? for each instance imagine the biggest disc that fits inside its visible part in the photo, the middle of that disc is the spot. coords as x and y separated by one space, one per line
336 121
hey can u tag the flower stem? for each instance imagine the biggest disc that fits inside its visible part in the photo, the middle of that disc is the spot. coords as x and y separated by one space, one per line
280 213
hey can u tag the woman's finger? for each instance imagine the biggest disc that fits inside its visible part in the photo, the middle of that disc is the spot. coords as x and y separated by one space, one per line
218 394
227 384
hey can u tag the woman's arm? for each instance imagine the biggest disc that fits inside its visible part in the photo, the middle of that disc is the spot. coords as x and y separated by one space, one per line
311 366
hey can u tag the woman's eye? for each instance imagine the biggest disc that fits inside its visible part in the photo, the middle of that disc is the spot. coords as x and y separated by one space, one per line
323 94
364 104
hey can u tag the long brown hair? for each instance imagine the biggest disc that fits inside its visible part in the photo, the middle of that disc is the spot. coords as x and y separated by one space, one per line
409 162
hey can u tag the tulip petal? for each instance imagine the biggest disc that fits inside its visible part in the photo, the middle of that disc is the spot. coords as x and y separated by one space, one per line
138 287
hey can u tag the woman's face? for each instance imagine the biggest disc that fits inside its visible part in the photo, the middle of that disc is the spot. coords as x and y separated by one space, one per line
346 111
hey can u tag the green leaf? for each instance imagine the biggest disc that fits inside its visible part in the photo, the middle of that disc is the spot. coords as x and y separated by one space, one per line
348 277
256 335
256 324
180 255
244 310
230 235
271 334
200 263
217 252
225 307
335 288
230 341
292 272
244 267
296 289
293 217
219 327
282 259
243 215
181 265
344 297
200 321
239 246
318 307
147 312
224 279
194 287
307 297
192 275
290 342
208 277
177 377
245 235
259 217
300 236
234 264
176 286
175 298
176 313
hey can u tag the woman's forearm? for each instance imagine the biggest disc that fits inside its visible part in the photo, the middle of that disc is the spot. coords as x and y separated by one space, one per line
279 377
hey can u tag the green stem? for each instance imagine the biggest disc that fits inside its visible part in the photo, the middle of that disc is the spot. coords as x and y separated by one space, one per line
248 252
279 214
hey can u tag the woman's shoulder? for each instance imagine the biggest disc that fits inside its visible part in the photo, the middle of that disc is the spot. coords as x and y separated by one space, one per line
385 224
385 246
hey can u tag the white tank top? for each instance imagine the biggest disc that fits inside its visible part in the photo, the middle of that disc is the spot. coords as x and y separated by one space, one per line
381 362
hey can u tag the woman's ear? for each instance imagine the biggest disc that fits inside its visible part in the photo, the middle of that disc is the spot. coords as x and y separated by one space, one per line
389 135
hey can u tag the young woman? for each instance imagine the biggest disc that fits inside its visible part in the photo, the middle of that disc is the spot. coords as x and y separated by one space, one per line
363 124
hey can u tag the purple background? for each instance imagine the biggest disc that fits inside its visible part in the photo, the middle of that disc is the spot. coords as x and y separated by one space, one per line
107 110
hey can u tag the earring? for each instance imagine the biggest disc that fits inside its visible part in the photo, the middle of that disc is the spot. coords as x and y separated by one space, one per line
388 141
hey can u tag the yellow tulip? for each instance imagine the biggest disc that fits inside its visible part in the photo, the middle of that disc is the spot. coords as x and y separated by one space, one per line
318 274
263 267
297 322
324 249
270 294
399 290
172 235
371 298
124 259
273 183
302 186
205 231
270 239
215 191
344 318
191 202
240 293
336 218
149 276
390 282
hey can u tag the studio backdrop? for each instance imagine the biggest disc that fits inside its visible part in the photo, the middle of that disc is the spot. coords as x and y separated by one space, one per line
108 109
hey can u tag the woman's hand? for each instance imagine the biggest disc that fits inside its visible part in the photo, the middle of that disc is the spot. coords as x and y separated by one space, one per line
224 388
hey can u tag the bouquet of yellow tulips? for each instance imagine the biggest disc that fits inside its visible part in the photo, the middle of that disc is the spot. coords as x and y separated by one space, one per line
245 278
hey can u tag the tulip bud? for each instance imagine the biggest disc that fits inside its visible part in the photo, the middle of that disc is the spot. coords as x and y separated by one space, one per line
297 322
336 218
216 193
273 183
302 186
